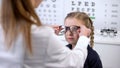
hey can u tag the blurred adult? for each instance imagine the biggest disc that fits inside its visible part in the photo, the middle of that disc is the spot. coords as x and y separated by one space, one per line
24 40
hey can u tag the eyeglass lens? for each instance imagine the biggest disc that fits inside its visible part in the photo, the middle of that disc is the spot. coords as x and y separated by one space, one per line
72 29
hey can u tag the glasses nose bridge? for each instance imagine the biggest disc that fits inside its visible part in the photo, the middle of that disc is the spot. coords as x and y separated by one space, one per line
69 32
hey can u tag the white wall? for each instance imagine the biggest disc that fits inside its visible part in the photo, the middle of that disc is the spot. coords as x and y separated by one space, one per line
109 54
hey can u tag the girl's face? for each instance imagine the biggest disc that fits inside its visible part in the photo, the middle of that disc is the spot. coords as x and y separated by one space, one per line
72 30
36 3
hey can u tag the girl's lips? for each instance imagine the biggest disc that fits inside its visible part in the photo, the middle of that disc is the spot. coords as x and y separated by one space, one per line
70 38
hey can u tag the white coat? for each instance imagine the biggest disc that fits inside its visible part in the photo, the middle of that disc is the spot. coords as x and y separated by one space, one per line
48 51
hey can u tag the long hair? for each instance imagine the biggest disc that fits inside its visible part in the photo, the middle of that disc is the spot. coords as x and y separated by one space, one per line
87 22
17 17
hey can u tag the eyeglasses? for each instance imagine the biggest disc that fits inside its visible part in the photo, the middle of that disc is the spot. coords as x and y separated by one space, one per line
72 29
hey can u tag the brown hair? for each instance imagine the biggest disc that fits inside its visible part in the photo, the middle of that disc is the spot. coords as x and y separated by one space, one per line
17 17
87 22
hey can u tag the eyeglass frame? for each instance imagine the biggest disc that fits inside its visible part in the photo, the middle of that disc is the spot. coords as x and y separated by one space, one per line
72 29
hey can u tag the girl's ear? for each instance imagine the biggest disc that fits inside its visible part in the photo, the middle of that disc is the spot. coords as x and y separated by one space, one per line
78 31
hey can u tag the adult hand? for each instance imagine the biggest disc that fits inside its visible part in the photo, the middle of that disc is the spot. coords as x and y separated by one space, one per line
84 31
57 28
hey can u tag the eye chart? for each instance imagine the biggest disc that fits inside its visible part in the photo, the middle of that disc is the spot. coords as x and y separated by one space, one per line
105 15
51 12
82 6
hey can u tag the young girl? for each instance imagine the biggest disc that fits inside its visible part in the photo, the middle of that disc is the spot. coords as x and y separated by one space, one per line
72 22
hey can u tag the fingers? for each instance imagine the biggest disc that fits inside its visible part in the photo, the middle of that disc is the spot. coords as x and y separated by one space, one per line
57 29
84 31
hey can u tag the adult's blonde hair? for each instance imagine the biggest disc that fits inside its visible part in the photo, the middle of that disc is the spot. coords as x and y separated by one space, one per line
17 17
87 22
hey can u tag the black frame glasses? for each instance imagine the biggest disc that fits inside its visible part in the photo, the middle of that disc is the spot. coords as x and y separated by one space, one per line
72 29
